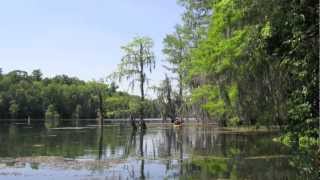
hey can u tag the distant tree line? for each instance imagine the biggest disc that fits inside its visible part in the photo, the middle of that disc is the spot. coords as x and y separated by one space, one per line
23 95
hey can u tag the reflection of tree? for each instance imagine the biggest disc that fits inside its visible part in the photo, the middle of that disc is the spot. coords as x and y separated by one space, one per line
51 123
34 165
168 140
77 122
12 131
129 147
142 133
165 144
131 144
234 155
179 134
168 133
213 154
99 165
306 162
100 148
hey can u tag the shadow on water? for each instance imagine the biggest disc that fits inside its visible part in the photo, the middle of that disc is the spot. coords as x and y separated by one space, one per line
116 151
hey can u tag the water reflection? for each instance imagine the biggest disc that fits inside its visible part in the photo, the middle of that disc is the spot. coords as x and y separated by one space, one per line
51 123
142 133
100 143
117 151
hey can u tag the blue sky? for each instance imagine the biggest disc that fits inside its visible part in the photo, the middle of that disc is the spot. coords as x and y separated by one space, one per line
80 37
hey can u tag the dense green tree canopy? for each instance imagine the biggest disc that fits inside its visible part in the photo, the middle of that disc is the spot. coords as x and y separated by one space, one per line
250 62
23 95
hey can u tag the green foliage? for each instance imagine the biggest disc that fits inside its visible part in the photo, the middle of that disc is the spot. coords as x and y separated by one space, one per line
214 167
77 114
23 95
14 109
51 113
234 121
36 75
252 62
176 51
122 105
138 58
166 100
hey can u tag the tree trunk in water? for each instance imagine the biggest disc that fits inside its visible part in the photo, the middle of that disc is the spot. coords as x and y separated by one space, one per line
180 95
133 122
101 109
142 80
100 144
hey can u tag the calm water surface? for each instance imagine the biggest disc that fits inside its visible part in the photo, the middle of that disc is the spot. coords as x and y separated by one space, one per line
48 151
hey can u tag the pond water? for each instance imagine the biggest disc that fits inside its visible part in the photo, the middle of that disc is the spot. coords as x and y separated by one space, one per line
40 151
